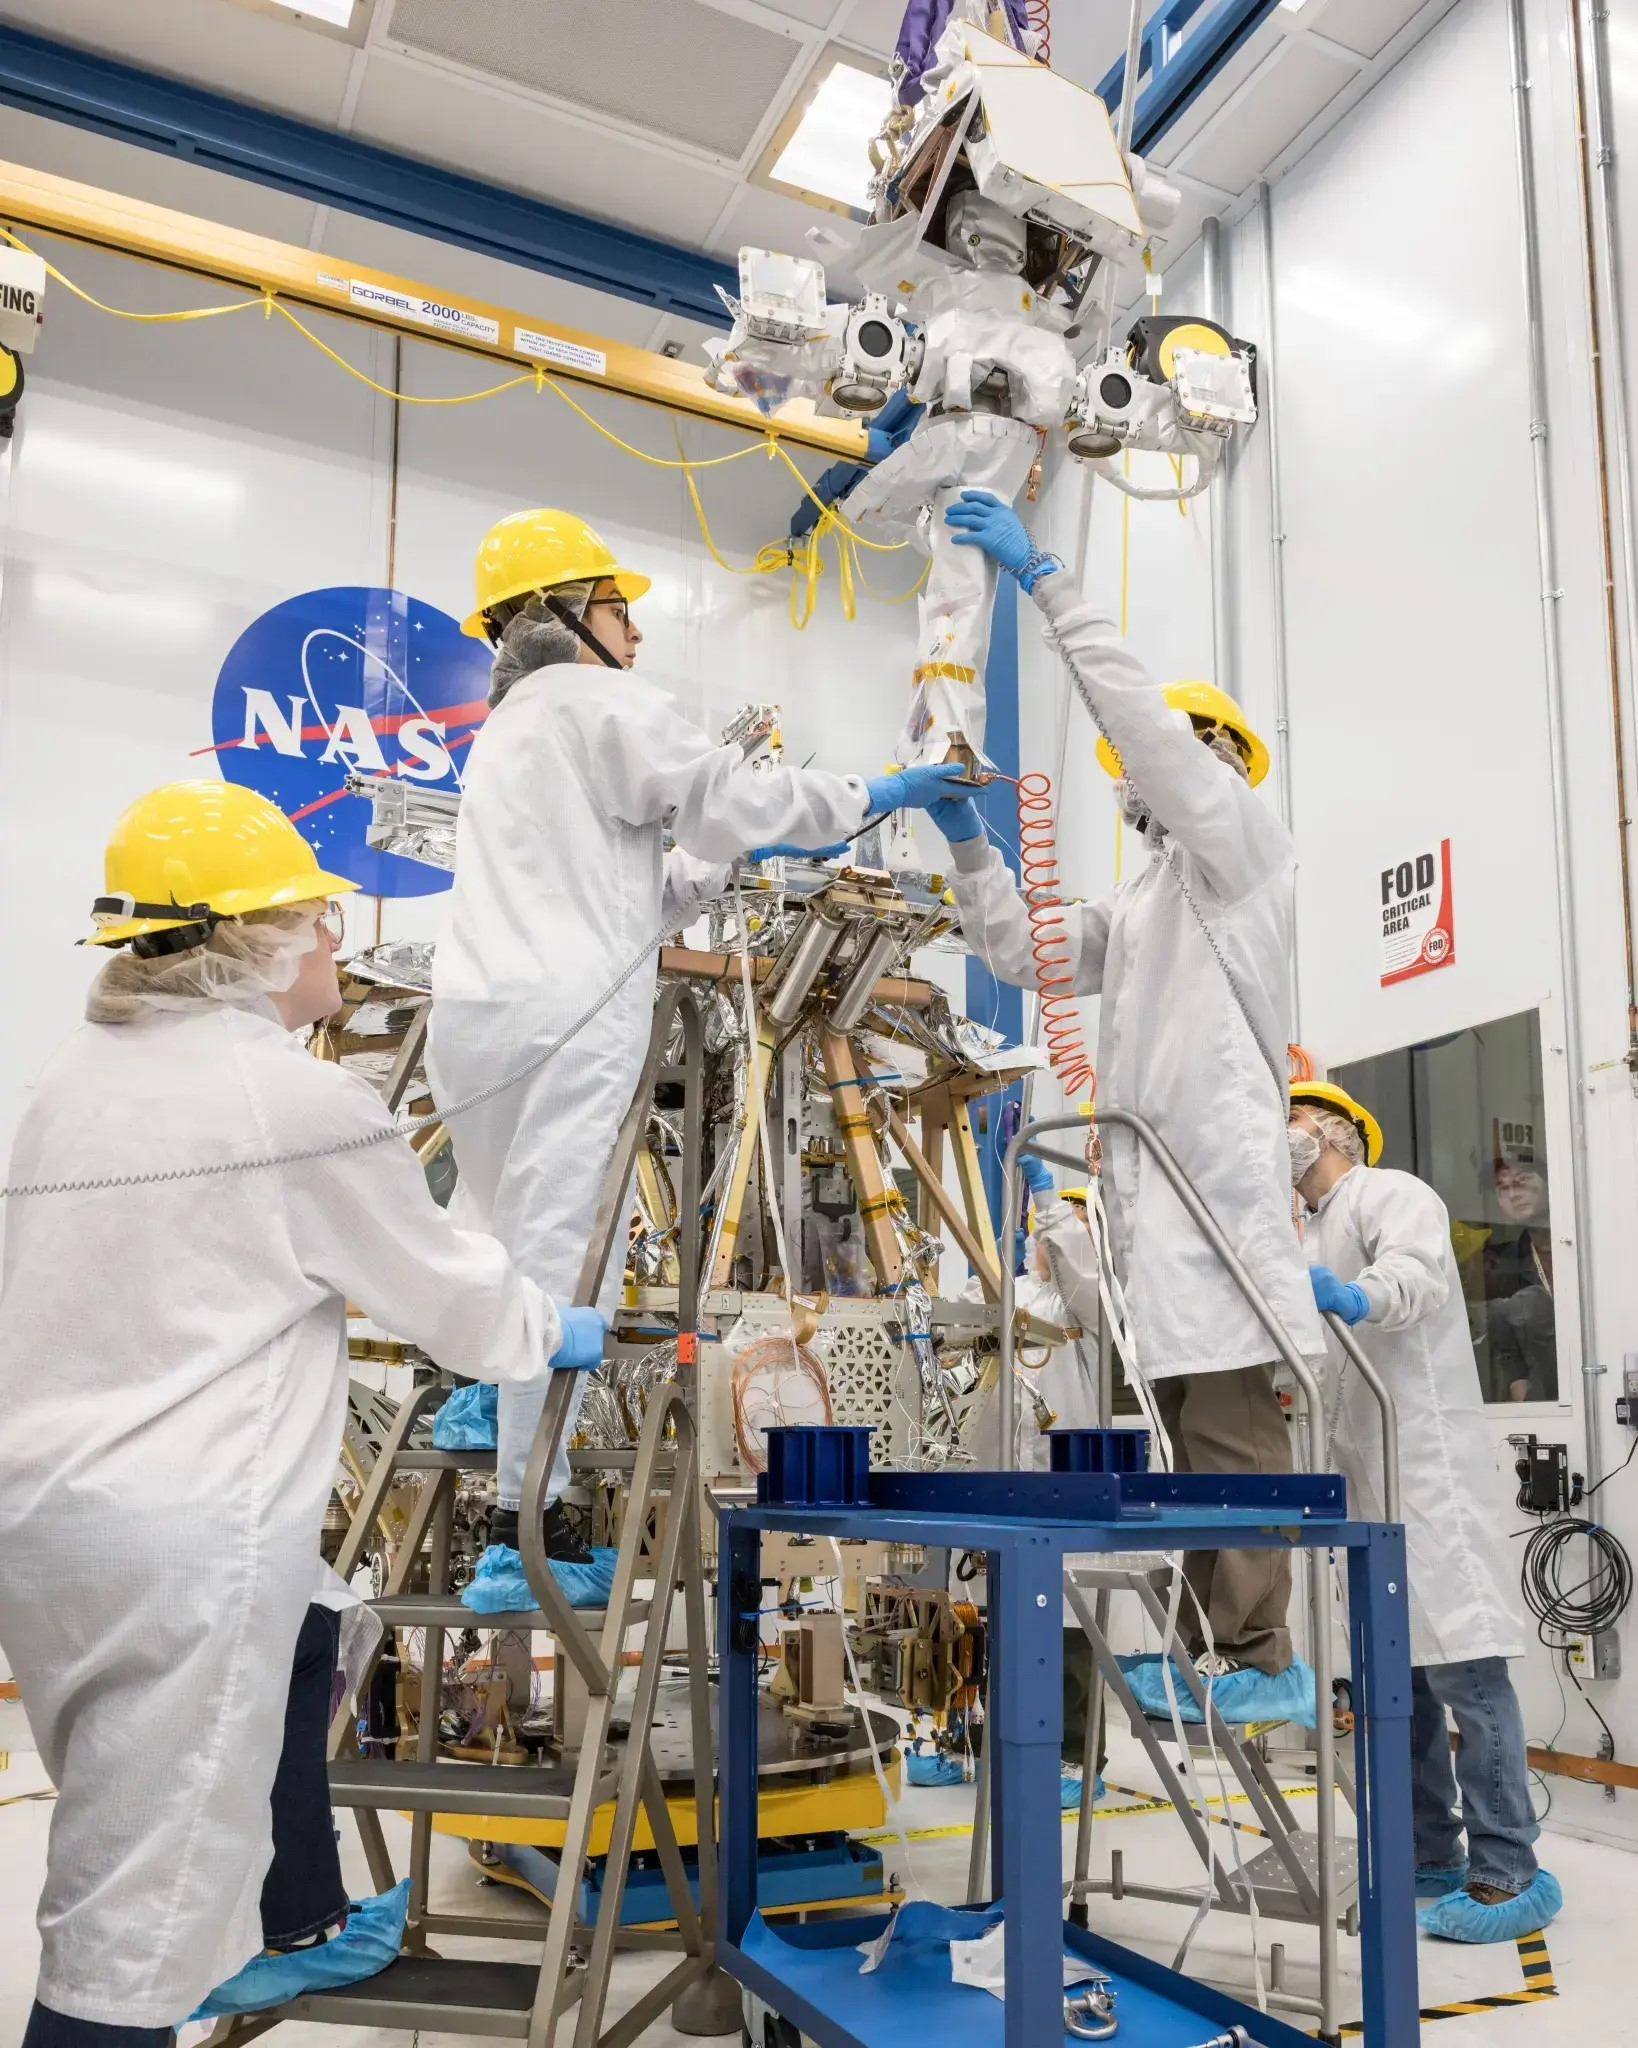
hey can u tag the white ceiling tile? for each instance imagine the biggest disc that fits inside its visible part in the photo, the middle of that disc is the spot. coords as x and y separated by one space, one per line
256 57
675 68
429 112
800 13
1297 81
871 25
64 152
1363 25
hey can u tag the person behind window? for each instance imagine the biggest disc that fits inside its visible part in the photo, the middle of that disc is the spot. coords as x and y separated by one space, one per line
1518 1285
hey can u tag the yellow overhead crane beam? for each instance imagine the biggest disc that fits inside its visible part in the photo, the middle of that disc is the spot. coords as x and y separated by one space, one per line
180 241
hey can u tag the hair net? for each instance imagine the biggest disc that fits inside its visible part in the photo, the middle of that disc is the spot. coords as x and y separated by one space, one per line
245 960
532 638
1338 1133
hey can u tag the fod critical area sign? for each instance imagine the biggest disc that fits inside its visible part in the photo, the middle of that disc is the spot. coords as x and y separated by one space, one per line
1418 918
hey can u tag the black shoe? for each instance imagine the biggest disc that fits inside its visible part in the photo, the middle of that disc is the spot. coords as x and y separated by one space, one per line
564 1542
503 1527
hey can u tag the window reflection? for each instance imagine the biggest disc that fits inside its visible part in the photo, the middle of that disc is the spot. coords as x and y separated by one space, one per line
1466 1114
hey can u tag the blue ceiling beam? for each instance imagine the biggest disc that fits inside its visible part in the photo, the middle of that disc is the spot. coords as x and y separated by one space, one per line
89 91
1185 44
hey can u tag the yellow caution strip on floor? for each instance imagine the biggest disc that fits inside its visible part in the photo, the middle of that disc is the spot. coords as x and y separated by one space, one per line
1142 1802
1537 1966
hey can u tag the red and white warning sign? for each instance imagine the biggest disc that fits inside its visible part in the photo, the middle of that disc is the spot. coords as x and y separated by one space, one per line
1418 917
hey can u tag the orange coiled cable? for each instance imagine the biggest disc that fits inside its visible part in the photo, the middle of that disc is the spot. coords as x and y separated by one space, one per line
1038 859
1038 16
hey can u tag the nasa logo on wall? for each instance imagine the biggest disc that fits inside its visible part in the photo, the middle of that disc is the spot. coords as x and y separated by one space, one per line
349 679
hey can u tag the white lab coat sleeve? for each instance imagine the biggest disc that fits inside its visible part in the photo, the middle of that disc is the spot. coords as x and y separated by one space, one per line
1208 809
364 1225
654 766
995 921
1405 1234
687 883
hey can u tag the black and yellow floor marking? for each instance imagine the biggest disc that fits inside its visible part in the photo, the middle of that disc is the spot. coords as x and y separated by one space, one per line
1539 1983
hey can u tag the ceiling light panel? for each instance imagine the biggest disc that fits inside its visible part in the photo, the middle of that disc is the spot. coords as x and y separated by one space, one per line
676 68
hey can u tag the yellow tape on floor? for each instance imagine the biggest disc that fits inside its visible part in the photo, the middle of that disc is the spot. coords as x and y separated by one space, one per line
1139 1804
1539 1983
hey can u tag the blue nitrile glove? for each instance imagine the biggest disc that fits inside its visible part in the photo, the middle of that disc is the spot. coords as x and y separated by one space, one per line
1037 1177
912 789
784 847
982 520
581 1347
957 818
1334 1297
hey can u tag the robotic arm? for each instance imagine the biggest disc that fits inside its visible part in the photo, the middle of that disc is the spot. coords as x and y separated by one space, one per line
1177 387
787 342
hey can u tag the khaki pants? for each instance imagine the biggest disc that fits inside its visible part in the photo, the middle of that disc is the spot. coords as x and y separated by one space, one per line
1232 1422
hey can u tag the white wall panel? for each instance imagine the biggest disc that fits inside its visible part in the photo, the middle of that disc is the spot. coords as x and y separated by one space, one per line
167 484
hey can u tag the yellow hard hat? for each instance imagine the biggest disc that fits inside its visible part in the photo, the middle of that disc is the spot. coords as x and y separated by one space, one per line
1215 707
1327 1095
1081 1195
537 550
192 850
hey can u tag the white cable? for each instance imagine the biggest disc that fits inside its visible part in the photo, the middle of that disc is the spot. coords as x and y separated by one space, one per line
409 1127
912 1876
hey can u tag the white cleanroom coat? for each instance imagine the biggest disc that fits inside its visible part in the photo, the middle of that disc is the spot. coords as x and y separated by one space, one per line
1173 1044
173 1383
560 878
1391 1233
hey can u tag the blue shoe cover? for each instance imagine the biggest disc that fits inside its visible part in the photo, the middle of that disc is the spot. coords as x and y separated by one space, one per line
587 1585
932 1767
1435 1884
1069 1791
1460 1917
468 1420
499 1587
1242 1697
365 1946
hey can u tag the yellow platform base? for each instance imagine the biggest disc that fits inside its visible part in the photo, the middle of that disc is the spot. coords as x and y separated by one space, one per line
850 1803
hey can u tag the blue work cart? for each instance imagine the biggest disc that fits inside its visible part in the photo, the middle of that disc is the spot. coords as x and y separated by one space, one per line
1025 1523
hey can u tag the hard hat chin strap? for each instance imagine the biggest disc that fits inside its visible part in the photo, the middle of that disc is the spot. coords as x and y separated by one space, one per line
581 631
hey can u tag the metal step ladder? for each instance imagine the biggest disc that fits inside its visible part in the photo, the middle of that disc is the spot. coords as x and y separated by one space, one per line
423 1989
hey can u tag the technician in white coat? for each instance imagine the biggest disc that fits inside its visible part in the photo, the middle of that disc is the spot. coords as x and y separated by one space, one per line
173 1378
1191 958
561 880
1378 1242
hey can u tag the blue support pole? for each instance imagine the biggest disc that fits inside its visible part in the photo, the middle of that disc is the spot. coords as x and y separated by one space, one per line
118 100
1026 1734
989 1001
1379 1628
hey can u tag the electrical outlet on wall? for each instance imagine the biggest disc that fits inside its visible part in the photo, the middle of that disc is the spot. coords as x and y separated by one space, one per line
1578 1655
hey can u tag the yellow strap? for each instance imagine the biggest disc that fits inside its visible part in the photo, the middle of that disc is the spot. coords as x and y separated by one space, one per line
950 671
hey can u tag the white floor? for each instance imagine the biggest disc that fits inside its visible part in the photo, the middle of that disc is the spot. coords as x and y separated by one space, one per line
1587 1945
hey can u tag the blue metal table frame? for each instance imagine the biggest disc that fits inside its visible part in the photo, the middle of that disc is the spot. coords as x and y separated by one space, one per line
1025 1523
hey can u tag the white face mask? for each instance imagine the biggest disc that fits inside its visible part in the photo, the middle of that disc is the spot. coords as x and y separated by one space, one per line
1305 1151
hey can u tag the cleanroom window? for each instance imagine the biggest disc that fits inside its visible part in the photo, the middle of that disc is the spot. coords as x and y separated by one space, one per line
1467 1114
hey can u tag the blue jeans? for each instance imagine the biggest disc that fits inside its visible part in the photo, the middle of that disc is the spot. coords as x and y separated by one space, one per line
1489 1767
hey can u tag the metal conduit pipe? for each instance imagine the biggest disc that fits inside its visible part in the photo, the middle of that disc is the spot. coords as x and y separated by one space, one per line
1268 406
1214 295
1547 562
1607 318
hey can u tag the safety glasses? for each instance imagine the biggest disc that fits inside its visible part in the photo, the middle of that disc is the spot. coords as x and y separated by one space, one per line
334 920
617 605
